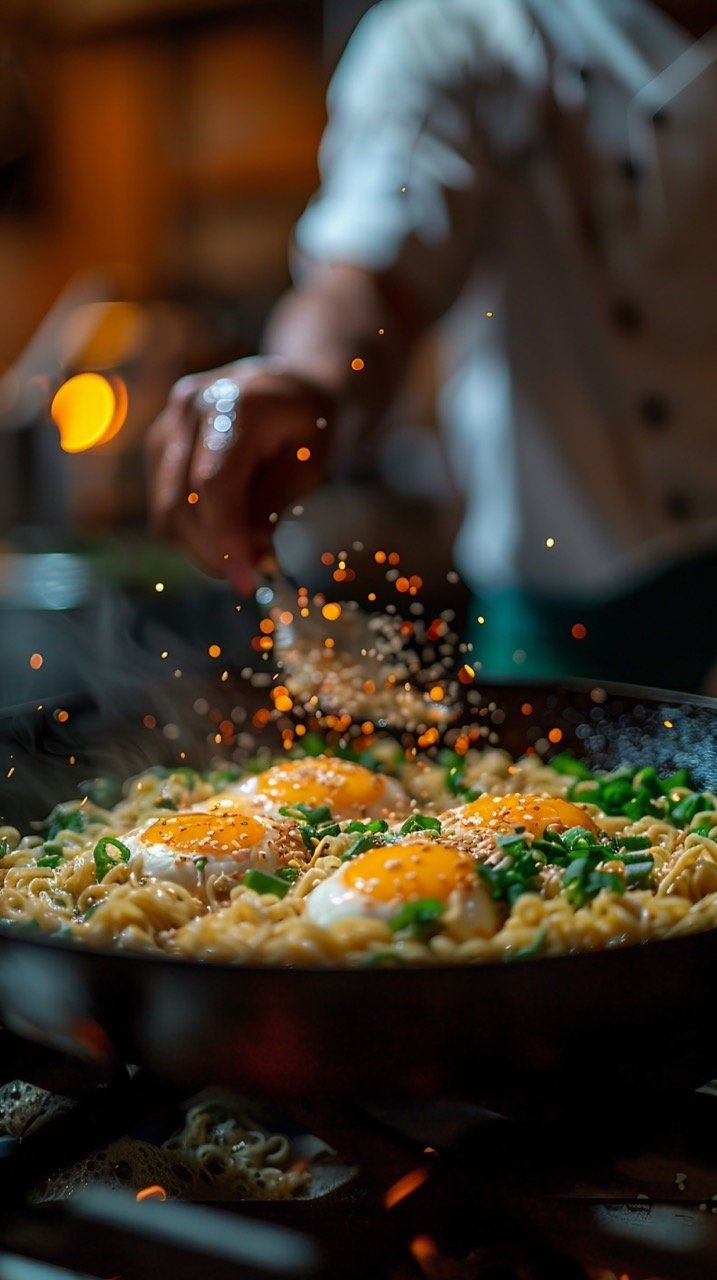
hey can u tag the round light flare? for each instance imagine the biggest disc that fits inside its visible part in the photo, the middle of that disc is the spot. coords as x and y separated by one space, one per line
88 410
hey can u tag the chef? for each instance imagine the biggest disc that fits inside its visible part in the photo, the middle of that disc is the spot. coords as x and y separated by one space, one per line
540 176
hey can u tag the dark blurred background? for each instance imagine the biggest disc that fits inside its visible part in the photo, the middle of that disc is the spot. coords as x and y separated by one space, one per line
154 155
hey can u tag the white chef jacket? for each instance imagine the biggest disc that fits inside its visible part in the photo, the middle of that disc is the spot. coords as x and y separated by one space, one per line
554 163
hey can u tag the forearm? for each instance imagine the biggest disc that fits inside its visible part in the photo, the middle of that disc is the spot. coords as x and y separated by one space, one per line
350 333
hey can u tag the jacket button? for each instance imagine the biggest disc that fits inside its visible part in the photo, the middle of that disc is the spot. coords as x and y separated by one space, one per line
630 169
654 410
626 315
677 506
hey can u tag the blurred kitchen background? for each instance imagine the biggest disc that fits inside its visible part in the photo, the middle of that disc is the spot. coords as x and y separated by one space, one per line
154 155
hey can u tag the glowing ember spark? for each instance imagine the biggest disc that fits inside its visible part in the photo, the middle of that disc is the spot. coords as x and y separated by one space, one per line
155 1192
424 1250
550 542
36 661
331 612
405 1186
555 735
578 631
159 586
214 651
303 454
192 498
357 364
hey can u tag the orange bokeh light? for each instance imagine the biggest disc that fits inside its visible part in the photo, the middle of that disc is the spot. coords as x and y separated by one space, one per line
88 410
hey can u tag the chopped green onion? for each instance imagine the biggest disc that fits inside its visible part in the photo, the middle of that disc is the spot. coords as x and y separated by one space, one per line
361 845
50 860
200 864
422 917
289 874
383 960
630 844
219 778
420 822
530 949
264 882
64 819
566 763
104 791
105 861
637 874
688 807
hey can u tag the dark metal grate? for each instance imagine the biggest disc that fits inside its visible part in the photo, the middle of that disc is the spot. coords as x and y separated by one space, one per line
449 1191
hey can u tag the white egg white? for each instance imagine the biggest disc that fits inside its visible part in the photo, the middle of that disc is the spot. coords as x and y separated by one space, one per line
190 867
333 899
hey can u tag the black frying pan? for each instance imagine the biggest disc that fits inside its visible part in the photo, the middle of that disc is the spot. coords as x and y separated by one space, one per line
621 1021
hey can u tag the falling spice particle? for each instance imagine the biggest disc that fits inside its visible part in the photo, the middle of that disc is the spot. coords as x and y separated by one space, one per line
36 661
214 651
578 631
489 315
331 612
303 454
149 722
192 498
159 586
404 1187
357 364
550 542
555 735
667 724
62 716
154 1192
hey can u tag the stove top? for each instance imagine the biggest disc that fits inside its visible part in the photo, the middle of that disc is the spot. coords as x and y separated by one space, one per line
125 1175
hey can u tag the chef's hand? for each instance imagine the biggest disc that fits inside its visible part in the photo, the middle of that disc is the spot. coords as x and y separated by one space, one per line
233 446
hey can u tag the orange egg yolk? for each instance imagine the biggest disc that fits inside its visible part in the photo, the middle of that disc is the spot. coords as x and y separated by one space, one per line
407 871
343 786
204 833
533 813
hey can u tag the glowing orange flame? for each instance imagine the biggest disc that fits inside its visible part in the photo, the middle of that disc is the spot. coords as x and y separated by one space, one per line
155 1192
89 410
410 1182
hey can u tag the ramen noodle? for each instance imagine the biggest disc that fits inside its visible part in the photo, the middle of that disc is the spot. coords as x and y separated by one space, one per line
380 861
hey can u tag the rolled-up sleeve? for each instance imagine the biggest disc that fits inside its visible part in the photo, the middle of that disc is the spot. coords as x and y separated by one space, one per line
403 162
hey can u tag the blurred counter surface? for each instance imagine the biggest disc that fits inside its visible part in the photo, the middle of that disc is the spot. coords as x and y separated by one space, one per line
124 610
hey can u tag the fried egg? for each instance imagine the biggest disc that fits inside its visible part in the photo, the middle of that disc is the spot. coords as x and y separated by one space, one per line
376 884
348 789
501 814
188 847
